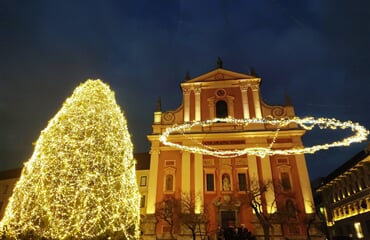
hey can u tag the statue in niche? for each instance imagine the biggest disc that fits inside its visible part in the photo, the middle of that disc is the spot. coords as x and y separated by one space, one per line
169 183
226 186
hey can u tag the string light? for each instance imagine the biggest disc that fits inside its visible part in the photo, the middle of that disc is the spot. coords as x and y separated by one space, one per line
360 134
80 181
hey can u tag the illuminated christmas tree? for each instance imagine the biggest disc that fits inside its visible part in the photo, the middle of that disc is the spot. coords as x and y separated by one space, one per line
80 181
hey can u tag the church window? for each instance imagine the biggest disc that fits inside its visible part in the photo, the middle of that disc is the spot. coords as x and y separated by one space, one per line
242 181
210 181
221 109
285 181
169 183
142 201
170 163
290 208
142 181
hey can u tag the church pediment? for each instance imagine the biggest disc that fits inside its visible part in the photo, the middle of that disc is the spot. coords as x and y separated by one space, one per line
220 74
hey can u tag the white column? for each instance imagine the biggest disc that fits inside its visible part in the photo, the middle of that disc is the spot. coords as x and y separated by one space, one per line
197 91
230 104
256 100
152 186
198 182
305 183
186 94
252 168
267 178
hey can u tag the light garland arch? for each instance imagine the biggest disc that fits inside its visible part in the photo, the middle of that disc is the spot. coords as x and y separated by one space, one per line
360 134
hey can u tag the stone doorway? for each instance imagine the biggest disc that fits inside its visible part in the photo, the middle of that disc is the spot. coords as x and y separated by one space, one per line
228 219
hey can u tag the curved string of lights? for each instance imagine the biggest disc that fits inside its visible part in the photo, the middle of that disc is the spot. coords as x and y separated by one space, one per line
359 134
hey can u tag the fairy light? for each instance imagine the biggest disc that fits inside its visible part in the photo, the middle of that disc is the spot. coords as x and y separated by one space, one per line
360 134
80 181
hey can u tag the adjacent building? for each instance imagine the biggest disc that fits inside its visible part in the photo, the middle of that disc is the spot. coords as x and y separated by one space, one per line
8 179
344 197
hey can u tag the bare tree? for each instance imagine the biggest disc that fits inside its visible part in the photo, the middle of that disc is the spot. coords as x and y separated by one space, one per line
255 199
281 210
192 218
169 210
316 221
183 211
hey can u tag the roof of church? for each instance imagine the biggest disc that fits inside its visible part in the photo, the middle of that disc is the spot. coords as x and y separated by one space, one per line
11 173
142 161
220 74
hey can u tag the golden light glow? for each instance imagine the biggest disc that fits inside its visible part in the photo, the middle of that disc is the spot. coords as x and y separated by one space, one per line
358 229
360 134
80 181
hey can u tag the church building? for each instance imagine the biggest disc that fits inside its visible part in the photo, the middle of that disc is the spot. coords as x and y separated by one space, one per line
221 190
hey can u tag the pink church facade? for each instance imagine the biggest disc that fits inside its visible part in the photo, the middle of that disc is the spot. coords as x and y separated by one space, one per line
220 185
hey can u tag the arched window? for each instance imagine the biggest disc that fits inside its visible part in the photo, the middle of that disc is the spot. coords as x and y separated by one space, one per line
290 208
285 181
221 109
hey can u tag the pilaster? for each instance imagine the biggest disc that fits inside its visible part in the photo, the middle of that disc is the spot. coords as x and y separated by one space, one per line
186 95
305 183
185 172
198 109
153 177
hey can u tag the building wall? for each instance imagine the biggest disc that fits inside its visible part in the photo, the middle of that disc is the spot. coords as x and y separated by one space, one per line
192 172
142 177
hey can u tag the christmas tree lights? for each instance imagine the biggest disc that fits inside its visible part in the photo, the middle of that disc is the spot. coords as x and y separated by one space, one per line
80 181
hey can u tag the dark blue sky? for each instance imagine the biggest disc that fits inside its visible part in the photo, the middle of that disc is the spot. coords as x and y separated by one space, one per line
317 51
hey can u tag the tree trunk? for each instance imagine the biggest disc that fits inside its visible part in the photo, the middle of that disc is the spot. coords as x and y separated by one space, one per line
308 232
266 231
193 234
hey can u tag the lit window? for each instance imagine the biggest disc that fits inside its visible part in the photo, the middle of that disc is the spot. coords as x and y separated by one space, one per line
358 230
142 181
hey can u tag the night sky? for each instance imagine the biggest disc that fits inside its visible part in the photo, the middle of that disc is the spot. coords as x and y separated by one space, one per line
317 52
